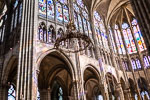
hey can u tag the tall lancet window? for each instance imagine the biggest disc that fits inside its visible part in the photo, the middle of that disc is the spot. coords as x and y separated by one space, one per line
138 35
11 93
42 32
128 39
81 17
42 8
119 40
54 9
112 41
146 61
50 9
100 31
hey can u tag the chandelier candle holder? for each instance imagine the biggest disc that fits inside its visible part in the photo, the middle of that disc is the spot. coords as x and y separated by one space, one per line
76 41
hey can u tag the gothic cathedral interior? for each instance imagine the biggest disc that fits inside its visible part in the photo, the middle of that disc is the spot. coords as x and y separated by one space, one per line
74 49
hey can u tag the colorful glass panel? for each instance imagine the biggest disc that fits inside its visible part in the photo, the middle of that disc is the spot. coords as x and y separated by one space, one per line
127 41
63 1
16 18
112 41
117 42
11 93
131 41
85 26
138 35
59 15
50 9
42 7
80 3
85 14
16 3
80 24
76 21
66 14
76 8
138 64
20 13
121 42
134 65
147 64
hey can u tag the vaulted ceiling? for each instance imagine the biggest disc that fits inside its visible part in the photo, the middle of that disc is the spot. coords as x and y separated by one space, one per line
112 11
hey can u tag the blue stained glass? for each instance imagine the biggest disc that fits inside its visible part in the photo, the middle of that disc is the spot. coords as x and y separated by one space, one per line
66 14
63 1
16 3
20 13
76 8
138 64
125 26
85 14
85 26
80 24
96 15
80 3
133 65
11 93
59 15
76 21
42 7
50 9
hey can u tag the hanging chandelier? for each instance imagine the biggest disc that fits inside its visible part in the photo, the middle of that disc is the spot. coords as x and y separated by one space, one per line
74 40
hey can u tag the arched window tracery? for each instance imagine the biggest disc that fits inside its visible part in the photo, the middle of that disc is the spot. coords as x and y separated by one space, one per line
54 9
119 40
133 64
130 44
138 64
100 31
138 35
11 92
42 32
51 35
147 63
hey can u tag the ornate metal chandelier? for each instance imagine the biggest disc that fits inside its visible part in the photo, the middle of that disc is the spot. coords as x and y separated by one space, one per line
74 40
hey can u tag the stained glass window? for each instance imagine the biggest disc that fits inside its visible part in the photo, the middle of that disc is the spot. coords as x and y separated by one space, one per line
119 41
66 14
16 3
20 13
60 94
79 2
80 24
112 40
38 95
42 7
51 35
138 64
133 64
16 17
50 8
100 30
147 64
85 26
42 33
138 35
145 95
11 93
76 21
59 15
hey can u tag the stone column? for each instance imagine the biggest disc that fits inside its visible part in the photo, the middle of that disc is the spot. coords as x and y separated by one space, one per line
45 94
75 90
26 74
141 9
